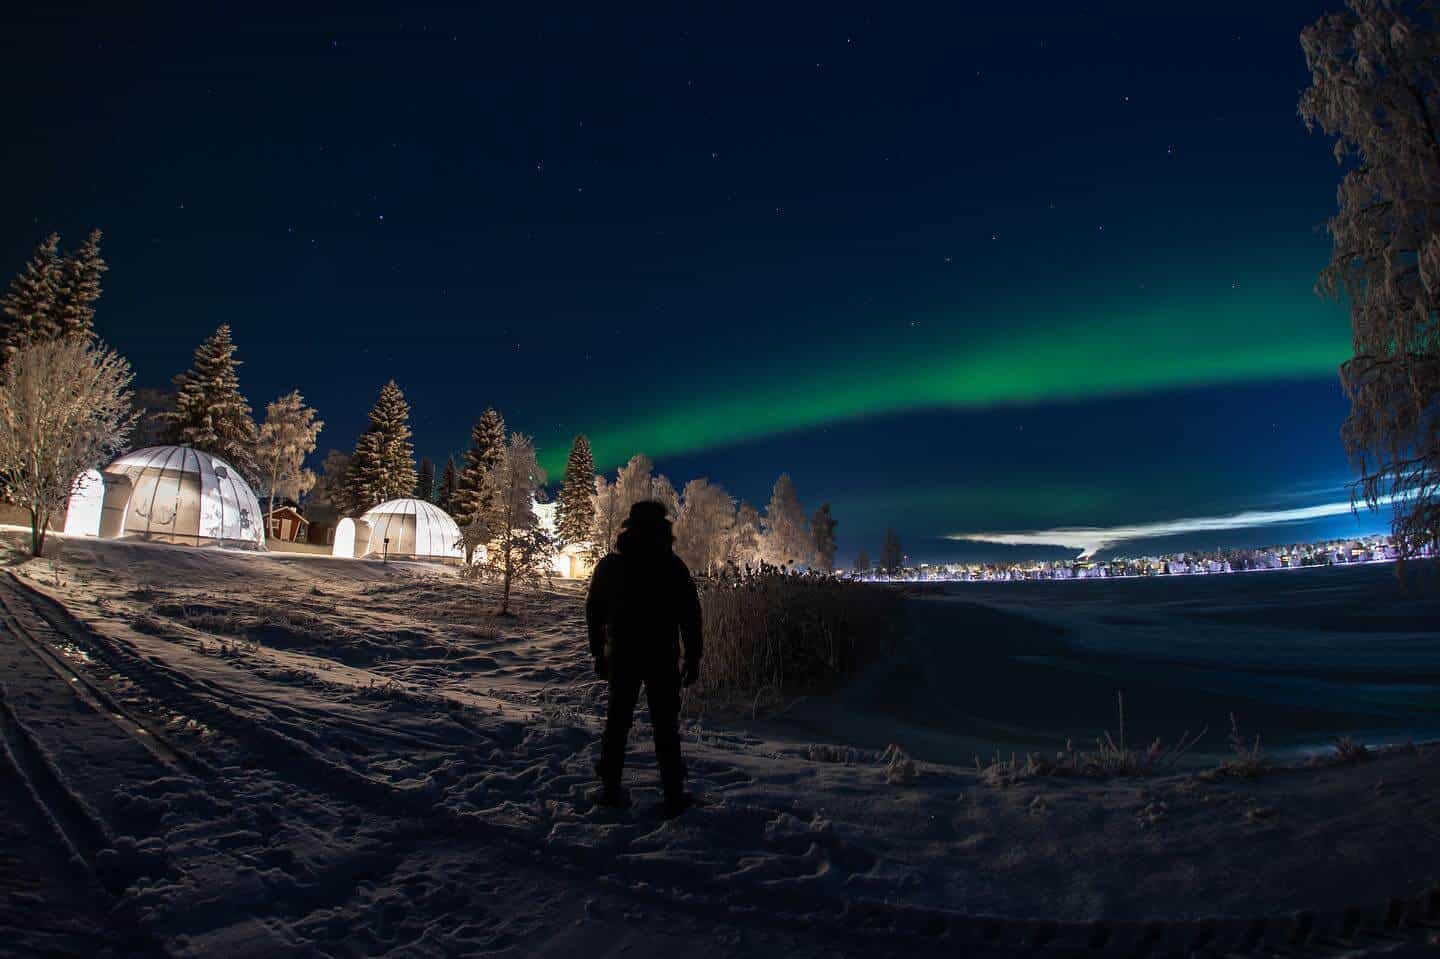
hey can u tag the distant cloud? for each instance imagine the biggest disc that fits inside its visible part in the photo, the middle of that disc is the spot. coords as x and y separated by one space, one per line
1090 540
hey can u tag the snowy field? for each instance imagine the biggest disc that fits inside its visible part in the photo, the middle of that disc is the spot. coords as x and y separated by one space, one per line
308 756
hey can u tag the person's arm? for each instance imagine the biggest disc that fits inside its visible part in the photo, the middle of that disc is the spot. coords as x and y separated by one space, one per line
691 620
597 606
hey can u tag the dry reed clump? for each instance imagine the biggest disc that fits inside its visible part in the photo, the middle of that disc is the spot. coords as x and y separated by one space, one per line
769 635
1247 758
1107 760
843 755
555 711
899 767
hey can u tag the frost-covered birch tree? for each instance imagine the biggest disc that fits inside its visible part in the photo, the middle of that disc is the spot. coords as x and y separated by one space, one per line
64 408
284 440
744 546
786 542
608 517
702 531
1375 70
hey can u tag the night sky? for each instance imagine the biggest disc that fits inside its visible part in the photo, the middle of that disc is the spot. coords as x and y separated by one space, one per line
960 271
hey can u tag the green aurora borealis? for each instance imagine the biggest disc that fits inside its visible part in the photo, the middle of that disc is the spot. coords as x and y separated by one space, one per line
1073 353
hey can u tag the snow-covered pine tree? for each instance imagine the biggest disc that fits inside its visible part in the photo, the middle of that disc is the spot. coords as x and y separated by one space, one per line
29 305
517 548
383 466
487 441
210 413
822 534
786 542
575 507
445 495
362 477
284 440
79 288
425 482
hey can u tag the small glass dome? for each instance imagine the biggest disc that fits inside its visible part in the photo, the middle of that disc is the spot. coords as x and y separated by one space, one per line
416 529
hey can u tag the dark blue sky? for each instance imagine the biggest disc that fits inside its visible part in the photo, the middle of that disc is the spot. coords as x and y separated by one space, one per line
956 270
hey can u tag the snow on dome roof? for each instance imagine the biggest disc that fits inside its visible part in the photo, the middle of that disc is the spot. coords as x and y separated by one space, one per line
178 494
415 528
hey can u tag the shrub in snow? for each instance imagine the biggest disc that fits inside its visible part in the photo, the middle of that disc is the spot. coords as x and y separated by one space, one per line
770 635
64 410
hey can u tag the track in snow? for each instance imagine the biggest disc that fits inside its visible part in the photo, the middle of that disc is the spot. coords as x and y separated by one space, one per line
1383 927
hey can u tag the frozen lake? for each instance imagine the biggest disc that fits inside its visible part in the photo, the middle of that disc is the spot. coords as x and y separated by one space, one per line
1299 656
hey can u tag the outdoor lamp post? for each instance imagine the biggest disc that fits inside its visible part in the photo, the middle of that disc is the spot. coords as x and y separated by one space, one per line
385 556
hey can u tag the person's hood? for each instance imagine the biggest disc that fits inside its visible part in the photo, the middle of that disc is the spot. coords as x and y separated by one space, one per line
650 539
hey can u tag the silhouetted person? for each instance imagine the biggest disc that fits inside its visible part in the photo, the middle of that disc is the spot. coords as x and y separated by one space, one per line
642 604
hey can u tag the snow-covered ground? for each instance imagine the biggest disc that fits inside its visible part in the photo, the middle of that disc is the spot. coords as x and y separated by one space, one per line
351 758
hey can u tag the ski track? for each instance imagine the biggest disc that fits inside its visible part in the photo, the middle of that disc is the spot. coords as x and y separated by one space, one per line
320 783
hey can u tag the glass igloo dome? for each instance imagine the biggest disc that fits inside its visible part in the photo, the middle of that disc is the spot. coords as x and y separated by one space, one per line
176 494
414 528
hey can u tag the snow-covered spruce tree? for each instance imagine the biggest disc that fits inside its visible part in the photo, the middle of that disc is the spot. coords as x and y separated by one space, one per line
425 480
210 413
383 465
517 548
786 542
744 547
487 440
1375 69
574 507
445 494
702 531
892 557
29 305
79 289
862 562
822 534
64 409
608 517
285 439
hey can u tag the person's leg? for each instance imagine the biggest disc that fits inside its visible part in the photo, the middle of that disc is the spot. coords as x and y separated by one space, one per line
624 693
662 689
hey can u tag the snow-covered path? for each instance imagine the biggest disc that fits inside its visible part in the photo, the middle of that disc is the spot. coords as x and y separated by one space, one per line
218 841
357 759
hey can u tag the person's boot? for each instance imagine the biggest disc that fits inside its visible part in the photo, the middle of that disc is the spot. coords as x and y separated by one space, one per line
610 793
676 804
672 781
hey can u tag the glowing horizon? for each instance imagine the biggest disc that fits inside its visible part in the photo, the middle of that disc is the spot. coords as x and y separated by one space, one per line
1089 540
